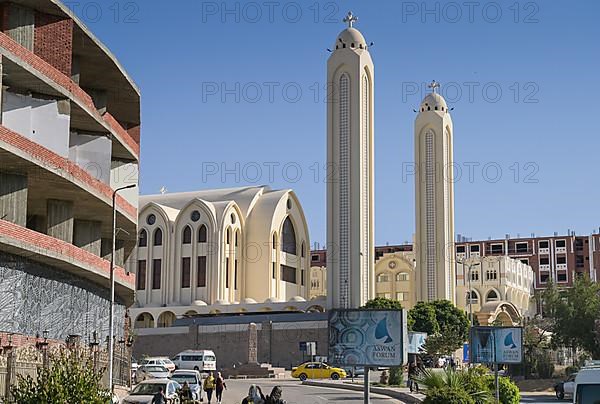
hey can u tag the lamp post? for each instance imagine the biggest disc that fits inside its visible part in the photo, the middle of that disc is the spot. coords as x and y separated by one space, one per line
112 287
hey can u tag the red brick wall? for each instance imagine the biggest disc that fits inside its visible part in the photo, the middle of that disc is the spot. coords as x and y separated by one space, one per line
53 41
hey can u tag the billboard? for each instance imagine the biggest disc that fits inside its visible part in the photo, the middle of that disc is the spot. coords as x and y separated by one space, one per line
416 340
496 345
367 337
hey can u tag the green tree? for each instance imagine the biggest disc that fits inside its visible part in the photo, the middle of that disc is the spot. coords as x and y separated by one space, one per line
70 379
446 325
574 315
451 384
383 303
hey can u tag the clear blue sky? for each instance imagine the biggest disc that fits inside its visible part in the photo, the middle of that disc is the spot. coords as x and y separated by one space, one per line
542 131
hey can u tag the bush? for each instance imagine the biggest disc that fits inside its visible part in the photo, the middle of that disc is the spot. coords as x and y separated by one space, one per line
544 366
509 392
476 385
447 395
396 376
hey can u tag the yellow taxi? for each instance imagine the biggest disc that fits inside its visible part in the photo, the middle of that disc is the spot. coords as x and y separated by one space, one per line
317 370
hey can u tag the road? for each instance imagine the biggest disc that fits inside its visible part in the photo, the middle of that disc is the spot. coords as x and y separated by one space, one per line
295 393
541 399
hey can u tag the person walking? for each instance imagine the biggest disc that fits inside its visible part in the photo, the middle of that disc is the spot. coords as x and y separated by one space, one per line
275 396
413 371
209 386
255 396
219 387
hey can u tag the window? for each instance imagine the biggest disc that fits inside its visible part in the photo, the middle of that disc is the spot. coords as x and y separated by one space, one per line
475 248
401 296
382 278
544 260
497 248
521 247
288 274
385 295
233 218
289 203
235 274
202 234
401 277
460 249
288 237
474 275
561 277
274 270
579 263
187 235
226 272
561 259
491 275
185 272
543 244
302 277
472 298
151 219
201 282
141 275
235 238
156 274
274 241
195 216
491 296
561 243
228 236
525 261
303 250
143 240
544 276
158 237
315 258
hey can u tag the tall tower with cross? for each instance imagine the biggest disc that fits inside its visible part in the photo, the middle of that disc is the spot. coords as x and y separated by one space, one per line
434 199
350 171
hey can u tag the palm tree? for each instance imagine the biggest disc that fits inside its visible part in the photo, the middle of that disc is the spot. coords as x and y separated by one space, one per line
469 381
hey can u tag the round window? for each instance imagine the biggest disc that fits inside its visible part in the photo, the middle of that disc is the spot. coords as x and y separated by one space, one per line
289 204
151 219
392 264
195 216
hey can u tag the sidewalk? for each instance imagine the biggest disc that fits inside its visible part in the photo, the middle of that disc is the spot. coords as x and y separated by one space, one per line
399 393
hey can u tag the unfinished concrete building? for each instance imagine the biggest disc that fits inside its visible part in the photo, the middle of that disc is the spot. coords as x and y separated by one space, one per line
69 136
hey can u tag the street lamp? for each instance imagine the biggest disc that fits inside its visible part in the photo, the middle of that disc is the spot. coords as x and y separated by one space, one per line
112 287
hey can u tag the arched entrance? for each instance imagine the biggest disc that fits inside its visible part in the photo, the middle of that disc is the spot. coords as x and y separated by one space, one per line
502 312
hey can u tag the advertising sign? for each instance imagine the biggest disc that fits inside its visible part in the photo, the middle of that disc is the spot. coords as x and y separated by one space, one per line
368 337
416 340
466 353
496 345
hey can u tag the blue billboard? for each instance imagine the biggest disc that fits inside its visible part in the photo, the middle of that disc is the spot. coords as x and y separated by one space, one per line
368 337
496 345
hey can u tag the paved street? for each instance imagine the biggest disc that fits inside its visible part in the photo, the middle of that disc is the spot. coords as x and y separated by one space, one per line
295 393
538 398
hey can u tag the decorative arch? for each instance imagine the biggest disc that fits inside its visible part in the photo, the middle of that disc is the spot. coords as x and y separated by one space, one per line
493 295
144 320
157 237
473 296
202 234
143 238
166 319
288 237
500 311
186 235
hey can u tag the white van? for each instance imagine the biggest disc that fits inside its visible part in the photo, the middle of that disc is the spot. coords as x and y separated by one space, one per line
201 360
587 386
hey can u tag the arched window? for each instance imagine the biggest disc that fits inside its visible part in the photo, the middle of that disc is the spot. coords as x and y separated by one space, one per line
382 278
402 276
274 240
228 236
158 237
303 250
143 240
235 238
202 234
187 235
491 296
472 297
288 244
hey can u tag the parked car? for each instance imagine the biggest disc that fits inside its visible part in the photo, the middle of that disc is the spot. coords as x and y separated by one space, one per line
193 379
201 360
146 372
144 392
354 371
317 370
160 360
565 388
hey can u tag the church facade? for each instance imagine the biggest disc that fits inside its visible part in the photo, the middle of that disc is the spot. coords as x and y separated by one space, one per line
217 251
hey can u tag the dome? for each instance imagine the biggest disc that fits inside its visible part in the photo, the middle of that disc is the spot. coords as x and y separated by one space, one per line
352 38
433 102
198 303
297 299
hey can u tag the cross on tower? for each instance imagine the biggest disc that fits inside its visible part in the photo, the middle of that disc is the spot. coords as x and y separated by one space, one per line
350 19
434 84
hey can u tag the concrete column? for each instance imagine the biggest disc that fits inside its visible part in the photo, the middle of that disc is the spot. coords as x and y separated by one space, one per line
88 236
13 198
60 219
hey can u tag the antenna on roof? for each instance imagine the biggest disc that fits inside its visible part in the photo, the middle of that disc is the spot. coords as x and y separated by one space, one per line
163 190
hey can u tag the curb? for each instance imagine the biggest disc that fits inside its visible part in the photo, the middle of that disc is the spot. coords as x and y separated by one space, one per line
404 397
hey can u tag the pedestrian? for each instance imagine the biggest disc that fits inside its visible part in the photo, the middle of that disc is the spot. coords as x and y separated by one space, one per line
452 364
413 371
275 396
255 396
159 397
186 393
220 385
209 386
